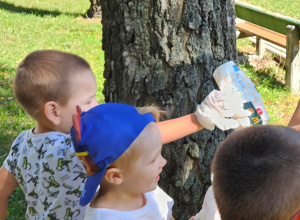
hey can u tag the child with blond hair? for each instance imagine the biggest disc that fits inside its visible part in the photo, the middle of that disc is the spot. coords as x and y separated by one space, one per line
121 150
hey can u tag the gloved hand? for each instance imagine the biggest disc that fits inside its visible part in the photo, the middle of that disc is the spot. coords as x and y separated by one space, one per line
224 110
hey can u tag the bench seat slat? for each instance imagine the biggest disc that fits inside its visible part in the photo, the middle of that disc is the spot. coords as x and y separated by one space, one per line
264 33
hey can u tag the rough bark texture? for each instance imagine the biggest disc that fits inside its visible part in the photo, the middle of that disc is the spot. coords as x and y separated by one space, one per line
164 52
95 9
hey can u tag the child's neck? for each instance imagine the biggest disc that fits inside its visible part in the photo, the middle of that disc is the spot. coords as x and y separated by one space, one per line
43 127
118 200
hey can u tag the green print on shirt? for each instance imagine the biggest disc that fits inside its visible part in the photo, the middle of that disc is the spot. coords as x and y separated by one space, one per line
47 169
67 141
46 204
19 174
52 216
77 192
61 164
80 175
15 149
29 142
41 152
26 164
33 212
33 194
35 180
69 214
51 182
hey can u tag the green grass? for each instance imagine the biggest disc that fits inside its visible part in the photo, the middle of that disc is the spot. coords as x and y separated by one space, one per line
269 78
28 25
285 7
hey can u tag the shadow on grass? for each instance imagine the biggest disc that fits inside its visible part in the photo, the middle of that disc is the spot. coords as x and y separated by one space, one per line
33 11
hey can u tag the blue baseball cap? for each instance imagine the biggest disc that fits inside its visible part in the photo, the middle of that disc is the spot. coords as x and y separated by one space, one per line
101 135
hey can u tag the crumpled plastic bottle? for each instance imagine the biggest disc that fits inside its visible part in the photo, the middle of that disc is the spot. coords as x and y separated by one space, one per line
230 77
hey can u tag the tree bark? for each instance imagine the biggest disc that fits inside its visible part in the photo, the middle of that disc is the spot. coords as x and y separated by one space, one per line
95 9
164 52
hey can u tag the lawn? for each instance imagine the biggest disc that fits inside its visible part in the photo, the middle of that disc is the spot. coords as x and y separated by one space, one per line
28 25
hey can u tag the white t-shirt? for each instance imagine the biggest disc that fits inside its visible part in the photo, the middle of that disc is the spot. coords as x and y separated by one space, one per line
49 173
209 209
158 207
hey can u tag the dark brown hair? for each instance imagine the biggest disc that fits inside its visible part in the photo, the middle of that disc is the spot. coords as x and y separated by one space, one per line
44 76
257 174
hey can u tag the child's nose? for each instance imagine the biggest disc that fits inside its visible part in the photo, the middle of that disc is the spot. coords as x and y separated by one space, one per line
163 161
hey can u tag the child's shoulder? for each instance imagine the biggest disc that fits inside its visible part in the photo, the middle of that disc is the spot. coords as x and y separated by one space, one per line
48 137
53 141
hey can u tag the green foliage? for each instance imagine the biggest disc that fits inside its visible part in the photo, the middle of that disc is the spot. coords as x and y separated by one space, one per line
17 205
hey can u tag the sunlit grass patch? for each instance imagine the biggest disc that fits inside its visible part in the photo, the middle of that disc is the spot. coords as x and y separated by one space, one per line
269 79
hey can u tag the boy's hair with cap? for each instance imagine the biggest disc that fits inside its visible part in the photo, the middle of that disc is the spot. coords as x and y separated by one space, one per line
101 135
257 174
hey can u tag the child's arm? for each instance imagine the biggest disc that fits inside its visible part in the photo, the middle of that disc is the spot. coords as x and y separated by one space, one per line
8 183
177 128
215 110
295 120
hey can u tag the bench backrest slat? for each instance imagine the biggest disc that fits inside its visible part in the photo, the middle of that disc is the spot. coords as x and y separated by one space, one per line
268 20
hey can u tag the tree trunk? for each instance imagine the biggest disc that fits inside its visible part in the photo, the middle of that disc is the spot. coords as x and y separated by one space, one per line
164 52
95 9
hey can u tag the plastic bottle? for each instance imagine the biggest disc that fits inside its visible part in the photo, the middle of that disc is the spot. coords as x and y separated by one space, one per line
230 77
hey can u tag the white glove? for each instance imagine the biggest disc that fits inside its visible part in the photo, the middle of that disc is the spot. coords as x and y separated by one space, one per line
225 110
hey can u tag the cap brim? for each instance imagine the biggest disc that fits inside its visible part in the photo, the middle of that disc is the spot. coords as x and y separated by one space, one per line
90 187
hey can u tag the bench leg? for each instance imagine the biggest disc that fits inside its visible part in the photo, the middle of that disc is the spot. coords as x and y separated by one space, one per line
260 47
292 58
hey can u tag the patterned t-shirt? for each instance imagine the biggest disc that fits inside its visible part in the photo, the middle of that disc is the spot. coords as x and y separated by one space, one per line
49 173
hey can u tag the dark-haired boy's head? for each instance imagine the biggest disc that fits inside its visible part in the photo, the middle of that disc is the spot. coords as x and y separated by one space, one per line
49 84
47 75
257 174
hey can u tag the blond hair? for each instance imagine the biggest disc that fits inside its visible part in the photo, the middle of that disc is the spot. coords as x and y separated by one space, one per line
44 76
128 158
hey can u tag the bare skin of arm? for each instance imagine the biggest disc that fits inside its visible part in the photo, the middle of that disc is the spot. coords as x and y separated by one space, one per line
8 183
177 128
295 120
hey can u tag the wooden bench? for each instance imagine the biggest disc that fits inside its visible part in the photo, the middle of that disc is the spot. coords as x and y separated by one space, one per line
279 30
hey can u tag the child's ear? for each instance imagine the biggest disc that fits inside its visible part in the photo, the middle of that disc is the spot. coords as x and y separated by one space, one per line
113 176
51 112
